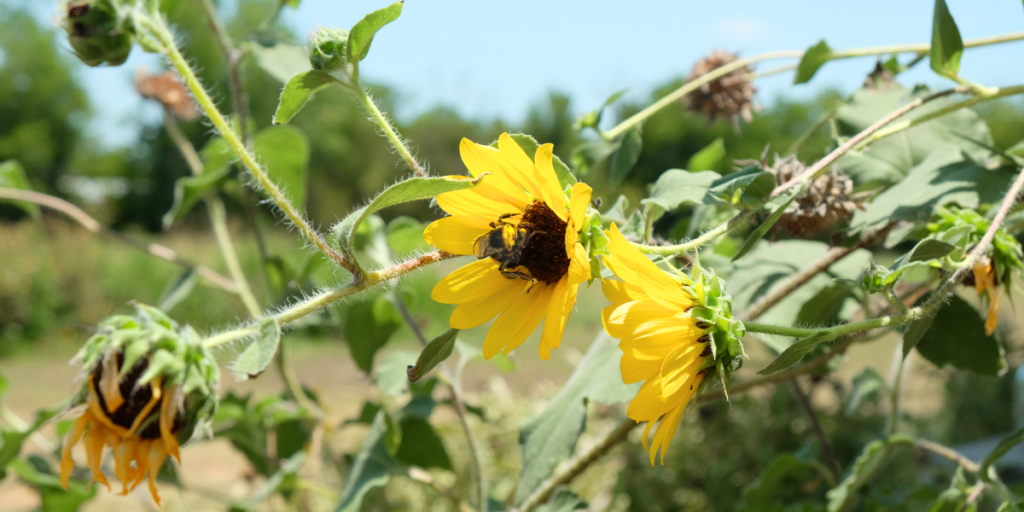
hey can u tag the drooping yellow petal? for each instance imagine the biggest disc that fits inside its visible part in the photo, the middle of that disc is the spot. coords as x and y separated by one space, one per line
472 314
472 282
140 457
154 387
456 235
666 431
620 292
981 270
579 201
168 412
520 166
550 190
94 443
155 459
498 185
650 403
985 280
666 292
555 319
123 452
72 439
468 202
518 321
110 383
98 414
579 265
993 311
680 369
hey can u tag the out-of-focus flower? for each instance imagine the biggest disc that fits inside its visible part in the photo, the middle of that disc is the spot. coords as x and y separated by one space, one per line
826 202
730 96
166 89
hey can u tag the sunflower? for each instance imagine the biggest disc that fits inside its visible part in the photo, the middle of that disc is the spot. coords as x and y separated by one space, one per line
661 343
985 281
537 280
139 423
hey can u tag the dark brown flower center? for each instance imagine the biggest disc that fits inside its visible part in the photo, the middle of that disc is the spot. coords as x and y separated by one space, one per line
545 255
135 400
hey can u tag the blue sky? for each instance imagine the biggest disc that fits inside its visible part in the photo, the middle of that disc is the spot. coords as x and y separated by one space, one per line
491 59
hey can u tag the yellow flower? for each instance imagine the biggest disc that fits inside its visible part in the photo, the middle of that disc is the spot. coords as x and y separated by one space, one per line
552 263
985 280
126 418
661 345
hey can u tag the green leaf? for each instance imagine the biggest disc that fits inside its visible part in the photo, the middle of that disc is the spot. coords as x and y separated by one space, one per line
710 158
439 349
676 187
1005 444
815 57
944 177
563 500
36 472
179 288
795 352
243 425
372 468
945 342
421 445
590 154
866 384
530 145
369 325
297 91
745 186
626 156
12 175
550 436
915 331
947 46
890 159
823 307
14 439
762 230
862 470
255 358
288 468
361 35
284 153
925 250
412 189
281 61
189 190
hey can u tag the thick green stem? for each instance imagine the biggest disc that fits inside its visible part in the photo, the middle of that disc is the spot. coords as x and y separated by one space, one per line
388 129
894 397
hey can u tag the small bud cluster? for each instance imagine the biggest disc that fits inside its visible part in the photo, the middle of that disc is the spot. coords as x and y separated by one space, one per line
99 31
965 228
730 96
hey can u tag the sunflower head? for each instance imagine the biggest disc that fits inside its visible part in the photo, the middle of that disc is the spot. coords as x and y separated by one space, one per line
147 385
327 49
98 30
713 311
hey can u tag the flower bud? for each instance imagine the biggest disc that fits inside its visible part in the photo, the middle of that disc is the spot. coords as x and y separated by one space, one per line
99 31
147 385
327 49
873 278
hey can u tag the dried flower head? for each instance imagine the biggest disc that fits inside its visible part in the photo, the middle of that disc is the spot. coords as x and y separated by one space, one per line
99 31
825 203
731 96
166 89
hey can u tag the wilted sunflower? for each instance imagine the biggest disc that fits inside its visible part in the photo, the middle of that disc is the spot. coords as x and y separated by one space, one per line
148 385
542 260
661 344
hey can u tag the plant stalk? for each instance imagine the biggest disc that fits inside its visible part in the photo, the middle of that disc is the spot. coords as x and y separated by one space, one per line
388 129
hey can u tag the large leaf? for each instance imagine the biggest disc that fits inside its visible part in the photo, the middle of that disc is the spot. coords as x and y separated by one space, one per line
284 153
190 189
742 187
372 468
421 445
369 325
944 177
255 358
795 352
890 159
769 264
815 57
297 91
12 175
784 472
412 189
625 157
676 187
710 158
957 337
947 46
361 35
550 436
281 61
925 250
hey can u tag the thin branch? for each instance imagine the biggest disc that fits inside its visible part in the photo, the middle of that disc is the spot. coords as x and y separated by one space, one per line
827 455
423 477
93 226
948 453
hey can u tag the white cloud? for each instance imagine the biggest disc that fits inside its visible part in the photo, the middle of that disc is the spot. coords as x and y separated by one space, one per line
744 29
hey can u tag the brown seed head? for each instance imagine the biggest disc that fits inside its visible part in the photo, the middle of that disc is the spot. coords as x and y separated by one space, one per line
730 96
545 255
825 203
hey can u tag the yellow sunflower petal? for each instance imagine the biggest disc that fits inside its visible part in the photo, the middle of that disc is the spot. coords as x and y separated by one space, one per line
155 459
635 370
74 436
123 452
468 202
110 385
670 296
520 167
94 442
993 311
680 369
555 318
981 270
456 235
579 265
550 190
498 185
579 201
472 282
635 262
472 314
666 431
650 403
140 455
168 412
620 292
622 320
518 321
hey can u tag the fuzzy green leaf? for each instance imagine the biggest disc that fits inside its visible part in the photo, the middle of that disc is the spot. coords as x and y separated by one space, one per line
255 358
947 46
439 349
625 157
944 344
815 57
361 35
867 383
12 175
12 440
795 353
297 91
421 445
676 187
915 331
35 472
189 190
284 153
289 467
710 158
745 186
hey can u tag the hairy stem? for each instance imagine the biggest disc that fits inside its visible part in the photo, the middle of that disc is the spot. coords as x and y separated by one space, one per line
706 238
389 130
93 226
160 33
233 59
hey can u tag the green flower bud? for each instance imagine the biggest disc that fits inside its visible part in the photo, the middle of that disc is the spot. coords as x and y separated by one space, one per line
99 31
873 278
327 49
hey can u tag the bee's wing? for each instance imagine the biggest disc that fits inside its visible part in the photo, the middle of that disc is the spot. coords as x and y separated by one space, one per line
481 246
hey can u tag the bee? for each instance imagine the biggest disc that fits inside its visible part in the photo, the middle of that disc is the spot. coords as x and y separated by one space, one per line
505 244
